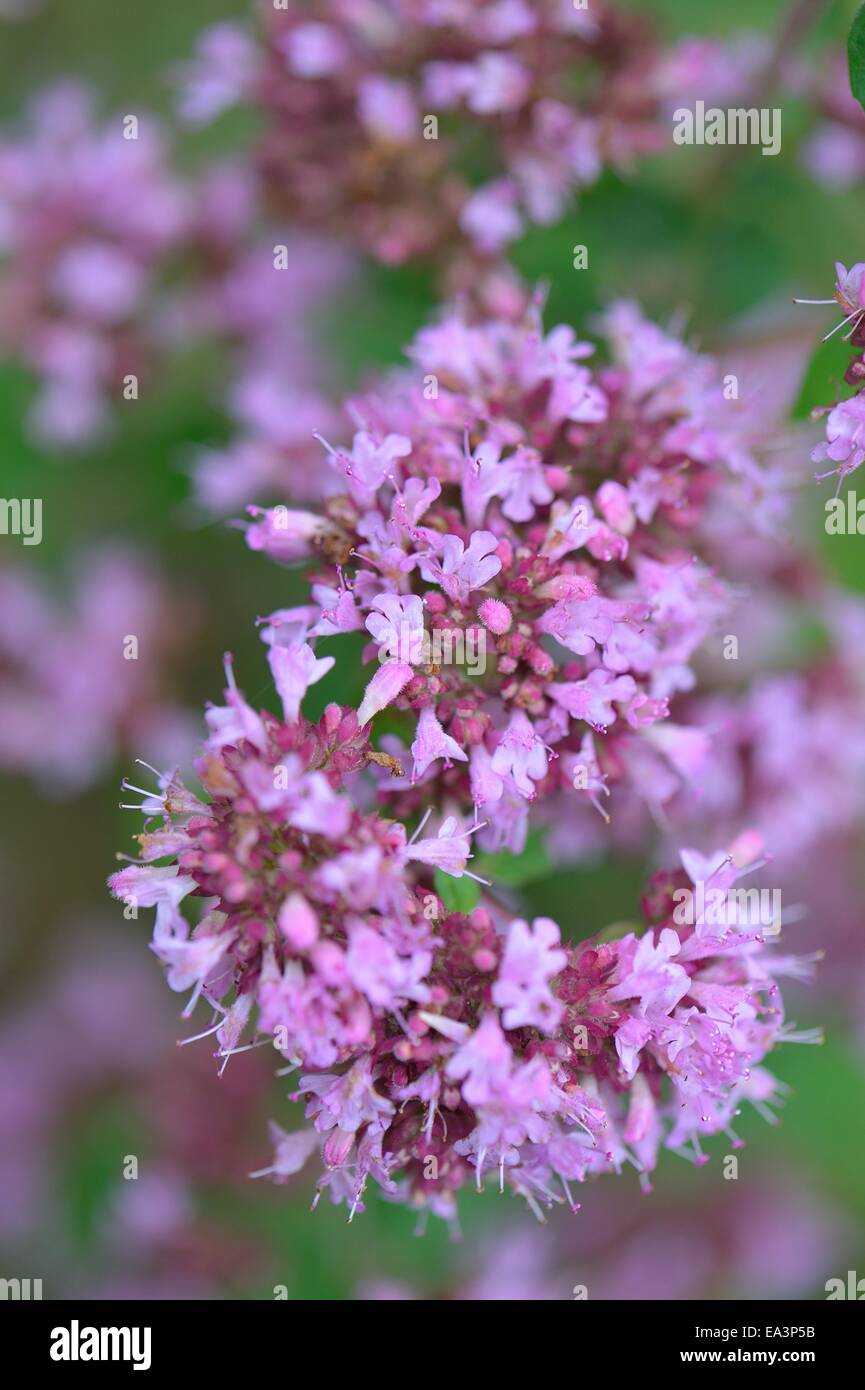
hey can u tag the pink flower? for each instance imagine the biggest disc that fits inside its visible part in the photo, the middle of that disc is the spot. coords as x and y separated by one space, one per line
531 959
586 623
461 569
291 1151
520 751
98 281
371 463
498 83
190 962
235 720
486 784
220 75
850 286
431 742
386 110
298 922
398 626
646 973
349 1101
162 888
387 979
491 217
449 851
509 1097
592 699
285 534
314 50
479 507
295 668
845 438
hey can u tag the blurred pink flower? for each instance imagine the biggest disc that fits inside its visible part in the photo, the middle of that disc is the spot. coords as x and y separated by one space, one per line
81 678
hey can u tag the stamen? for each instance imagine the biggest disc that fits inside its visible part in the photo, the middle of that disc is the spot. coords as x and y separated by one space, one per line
842 324
421 825
131 787
228 668
197 1037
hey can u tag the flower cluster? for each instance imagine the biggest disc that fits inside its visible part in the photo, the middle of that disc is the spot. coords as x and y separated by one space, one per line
437 1048
834 152
87 214
82 679
259 297
776 749
844 445
376 111
92 222
502 498
735 70
533 547
712 69
777 762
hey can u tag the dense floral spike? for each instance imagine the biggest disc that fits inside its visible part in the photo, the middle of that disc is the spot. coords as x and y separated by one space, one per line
435 1048
520 538
375 110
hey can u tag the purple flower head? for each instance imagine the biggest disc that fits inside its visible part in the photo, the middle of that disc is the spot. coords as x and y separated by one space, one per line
523 539
69 695
89 213
354 101
437 1048
531 959
845 439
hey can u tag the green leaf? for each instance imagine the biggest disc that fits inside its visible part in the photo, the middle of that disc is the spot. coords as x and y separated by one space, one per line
856 56
457 894
516 870
93 1153
823 382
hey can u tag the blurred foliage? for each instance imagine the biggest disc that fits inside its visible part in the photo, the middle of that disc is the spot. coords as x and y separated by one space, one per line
856 56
